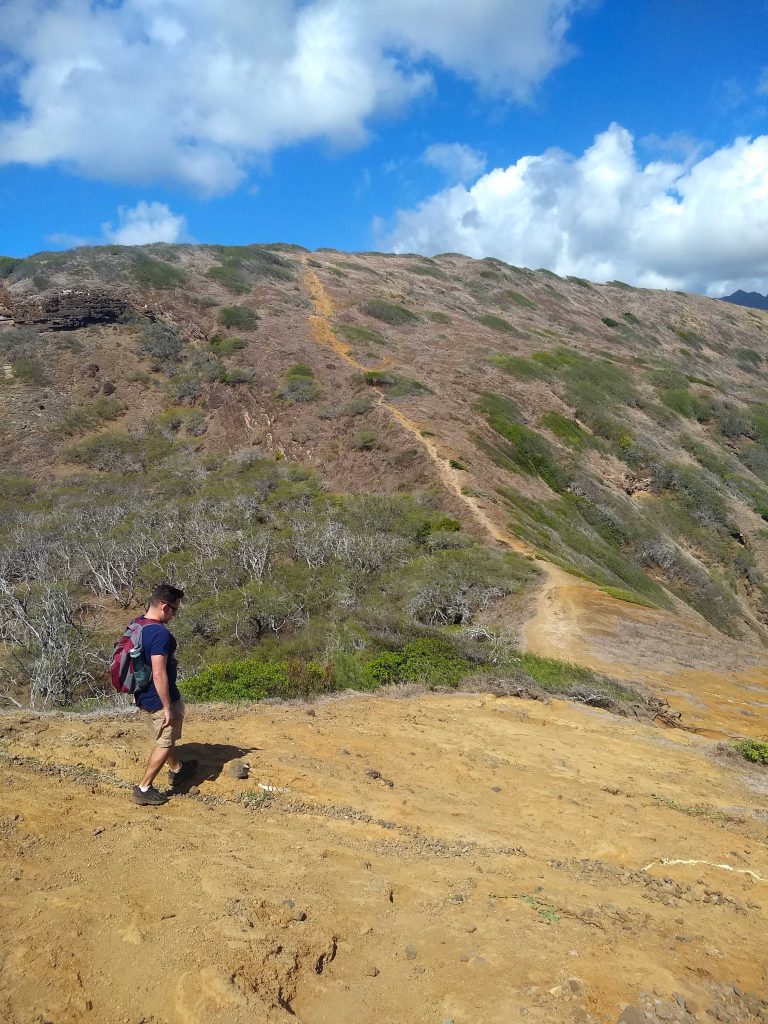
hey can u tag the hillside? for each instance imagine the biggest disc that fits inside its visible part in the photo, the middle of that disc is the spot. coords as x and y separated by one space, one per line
391 475
616 433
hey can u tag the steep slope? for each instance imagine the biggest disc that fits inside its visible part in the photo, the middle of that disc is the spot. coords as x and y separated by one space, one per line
616 434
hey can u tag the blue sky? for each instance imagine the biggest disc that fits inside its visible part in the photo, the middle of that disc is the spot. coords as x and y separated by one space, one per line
607 138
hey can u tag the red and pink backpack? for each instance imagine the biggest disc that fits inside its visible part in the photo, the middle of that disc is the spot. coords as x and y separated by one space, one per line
122 671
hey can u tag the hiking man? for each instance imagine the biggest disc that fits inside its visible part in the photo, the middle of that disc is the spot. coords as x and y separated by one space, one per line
161 702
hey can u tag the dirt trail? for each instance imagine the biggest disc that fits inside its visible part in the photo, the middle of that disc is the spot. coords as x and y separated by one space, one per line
717 682
323 332
423 858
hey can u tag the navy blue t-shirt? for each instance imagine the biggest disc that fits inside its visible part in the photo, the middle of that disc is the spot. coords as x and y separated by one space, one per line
156 638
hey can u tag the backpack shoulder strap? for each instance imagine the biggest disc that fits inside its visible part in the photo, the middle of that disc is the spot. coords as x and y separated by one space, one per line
134 629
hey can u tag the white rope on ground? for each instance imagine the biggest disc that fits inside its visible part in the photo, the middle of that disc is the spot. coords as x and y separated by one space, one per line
664 862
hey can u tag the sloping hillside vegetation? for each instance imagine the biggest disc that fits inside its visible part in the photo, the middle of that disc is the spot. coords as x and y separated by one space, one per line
174 412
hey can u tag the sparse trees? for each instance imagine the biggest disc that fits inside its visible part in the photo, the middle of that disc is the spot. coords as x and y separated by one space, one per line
48 641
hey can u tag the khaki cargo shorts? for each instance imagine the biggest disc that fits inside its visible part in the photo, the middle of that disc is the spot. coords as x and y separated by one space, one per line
171 734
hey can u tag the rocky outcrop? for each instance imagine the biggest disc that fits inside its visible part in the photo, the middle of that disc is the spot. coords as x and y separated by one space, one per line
68 309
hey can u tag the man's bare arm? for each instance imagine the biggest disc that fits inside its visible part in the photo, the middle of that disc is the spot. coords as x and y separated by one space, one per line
160 679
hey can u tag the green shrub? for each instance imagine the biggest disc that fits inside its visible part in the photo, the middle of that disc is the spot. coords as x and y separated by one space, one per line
351 673
500 406
156 273
357 406
455 464
591 384
734 421
184 387
594 537
405 386
581 281
379 378
249 679
631 318
433 662
755 751
230 277
518 299
300 370
626 595
300 385
80 420
397 386
389 312
687 404
426 270
748 357
252 679
497 323
531 454
190 420
237 375
7 265
519 366
161 341
562 677
690 337
567 430
238 316
527 451
13 485
119 453
357 333
364 440
241 265
439 318
226 346
29 370
609 322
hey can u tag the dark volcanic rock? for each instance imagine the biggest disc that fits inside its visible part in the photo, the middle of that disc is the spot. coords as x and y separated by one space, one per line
69 309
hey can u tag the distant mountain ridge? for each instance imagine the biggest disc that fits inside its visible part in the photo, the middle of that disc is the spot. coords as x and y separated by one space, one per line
752 299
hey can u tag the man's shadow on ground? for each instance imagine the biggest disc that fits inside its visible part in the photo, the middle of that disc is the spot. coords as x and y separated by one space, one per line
211 760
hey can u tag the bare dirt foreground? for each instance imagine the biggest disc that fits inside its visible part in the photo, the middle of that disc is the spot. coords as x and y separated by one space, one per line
420 859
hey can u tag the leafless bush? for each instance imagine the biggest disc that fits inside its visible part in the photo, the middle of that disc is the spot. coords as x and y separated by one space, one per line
497 647
48 642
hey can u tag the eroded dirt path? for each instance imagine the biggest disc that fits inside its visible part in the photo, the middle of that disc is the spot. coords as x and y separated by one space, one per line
512 856
719 684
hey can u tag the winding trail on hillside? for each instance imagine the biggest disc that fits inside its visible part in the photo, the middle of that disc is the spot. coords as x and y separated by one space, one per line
715 680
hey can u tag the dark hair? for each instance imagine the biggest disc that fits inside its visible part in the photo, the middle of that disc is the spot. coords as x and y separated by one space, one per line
165 593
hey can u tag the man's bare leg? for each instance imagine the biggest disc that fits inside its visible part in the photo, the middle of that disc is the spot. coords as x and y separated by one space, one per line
174 764
157 759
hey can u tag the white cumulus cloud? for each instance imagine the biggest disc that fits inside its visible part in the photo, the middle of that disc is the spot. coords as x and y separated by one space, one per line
195 90
145 223
700 225
456 161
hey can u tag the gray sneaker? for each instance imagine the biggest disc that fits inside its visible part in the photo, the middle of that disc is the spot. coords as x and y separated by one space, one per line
184 774
152 798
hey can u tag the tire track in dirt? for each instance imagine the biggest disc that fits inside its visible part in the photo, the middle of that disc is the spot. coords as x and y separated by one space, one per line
575 620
